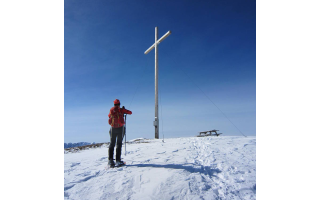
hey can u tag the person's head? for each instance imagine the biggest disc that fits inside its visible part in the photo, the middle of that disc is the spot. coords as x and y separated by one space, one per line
116 102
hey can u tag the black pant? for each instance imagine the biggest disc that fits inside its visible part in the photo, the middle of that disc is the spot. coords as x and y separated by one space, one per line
116 134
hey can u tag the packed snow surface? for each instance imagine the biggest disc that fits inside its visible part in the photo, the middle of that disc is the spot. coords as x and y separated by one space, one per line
221 167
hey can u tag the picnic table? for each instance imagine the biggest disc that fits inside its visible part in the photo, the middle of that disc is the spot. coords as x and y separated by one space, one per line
209 133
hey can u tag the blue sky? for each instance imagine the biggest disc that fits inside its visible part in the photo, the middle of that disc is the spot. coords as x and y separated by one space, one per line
212 46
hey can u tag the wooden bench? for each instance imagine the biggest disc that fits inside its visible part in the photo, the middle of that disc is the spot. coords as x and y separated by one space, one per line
208 133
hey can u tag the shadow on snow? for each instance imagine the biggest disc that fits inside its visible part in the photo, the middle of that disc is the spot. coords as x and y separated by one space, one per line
207 170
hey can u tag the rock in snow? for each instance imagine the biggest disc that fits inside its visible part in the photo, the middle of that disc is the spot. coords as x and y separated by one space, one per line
221 167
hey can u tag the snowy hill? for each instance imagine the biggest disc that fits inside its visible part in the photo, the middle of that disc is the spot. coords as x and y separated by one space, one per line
180 168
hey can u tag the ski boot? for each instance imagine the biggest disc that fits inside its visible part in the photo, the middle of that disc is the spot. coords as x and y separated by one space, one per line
111 164
120 163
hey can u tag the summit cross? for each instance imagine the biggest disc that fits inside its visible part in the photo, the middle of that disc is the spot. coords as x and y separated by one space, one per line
155 47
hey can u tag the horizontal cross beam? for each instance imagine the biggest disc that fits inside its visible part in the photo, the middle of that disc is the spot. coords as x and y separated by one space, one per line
158 42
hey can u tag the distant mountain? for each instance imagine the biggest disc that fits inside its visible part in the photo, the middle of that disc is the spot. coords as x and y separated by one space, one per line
78 144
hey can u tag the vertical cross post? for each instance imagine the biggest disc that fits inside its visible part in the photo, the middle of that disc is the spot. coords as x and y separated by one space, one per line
156 118
155 46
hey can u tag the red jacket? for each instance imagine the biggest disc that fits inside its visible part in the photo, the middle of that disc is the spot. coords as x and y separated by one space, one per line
116 116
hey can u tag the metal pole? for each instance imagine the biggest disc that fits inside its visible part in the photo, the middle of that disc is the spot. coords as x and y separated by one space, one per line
156 85
125 136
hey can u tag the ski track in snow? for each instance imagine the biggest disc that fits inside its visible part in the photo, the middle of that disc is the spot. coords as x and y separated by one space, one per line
221 167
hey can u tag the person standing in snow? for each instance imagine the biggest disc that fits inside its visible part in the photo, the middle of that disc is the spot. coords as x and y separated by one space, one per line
117 131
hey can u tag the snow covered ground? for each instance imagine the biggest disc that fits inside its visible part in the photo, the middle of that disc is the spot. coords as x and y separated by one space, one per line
221 167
